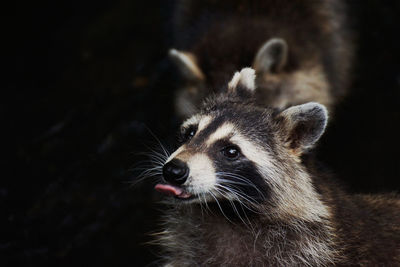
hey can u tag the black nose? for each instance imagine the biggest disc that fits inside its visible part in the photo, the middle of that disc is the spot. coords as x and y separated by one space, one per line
175 171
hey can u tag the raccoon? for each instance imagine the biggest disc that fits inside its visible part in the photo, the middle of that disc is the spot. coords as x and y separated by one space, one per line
301 49
243 195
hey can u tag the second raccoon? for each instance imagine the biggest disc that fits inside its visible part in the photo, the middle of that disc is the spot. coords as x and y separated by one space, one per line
300 49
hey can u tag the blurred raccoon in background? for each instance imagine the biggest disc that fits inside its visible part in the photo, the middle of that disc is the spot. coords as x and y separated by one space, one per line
301 50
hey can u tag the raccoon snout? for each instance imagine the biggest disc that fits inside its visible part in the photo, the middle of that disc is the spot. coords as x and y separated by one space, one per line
175 171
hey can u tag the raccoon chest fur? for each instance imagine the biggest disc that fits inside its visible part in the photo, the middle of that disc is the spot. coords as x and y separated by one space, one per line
196 237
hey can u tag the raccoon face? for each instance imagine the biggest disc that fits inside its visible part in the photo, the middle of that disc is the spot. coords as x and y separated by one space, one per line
213 162
233 150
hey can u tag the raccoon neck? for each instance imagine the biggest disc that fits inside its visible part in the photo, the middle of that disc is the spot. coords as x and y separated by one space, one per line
201 236
233 211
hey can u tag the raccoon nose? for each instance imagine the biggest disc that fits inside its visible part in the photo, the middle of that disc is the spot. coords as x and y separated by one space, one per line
175 171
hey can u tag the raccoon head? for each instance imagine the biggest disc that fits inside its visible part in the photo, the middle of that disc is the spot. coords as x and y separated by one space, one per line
282 78
283 82
233 150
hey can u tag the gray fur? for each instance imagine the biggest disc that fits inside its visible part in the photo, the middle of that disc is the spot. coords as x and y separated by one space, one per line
305 124
272 56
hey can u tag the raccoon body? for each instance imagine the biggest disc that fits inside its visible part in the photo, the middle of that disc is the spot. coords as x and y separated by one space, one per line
243 194
301 50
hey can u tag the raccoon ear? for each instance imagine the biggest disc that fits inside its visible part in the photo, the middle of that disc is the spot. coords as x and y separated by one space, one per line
186 63
305 125
272 56
243 82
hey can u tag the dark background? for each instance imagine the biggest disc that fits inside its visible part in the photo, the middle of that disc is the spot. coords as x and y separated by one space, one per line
82 82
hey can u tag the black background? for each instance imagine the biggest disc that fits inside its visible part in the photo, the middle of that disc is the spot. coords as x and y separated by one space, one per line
82 83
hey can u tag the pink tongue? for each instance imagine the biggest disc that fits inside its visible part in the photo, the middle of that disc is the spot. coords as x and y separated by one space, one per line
171 190
168 189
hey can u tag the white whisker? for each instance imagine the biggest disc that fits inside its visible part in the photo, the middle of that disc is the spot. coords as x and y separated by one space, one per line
152 166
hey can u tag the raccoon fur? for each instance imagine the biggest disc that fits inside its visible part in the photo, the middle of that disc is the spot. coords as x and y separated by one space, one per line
242 194
301 49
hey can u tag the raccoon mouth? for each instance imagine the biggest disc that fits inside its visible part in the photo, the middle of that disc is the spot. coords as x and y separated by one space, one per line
173 191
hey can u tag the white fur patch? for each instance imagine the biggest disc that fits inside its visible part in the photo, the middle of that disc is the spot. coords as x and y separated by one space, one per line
194 120
294 197
223 131
200 121
202 174
187 61
177 152
246 78
234 82
253 152
204 122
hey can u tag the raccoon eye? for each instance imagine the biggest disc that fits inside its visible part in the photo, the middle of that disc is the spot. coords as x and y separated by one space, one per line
188 134
231 152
